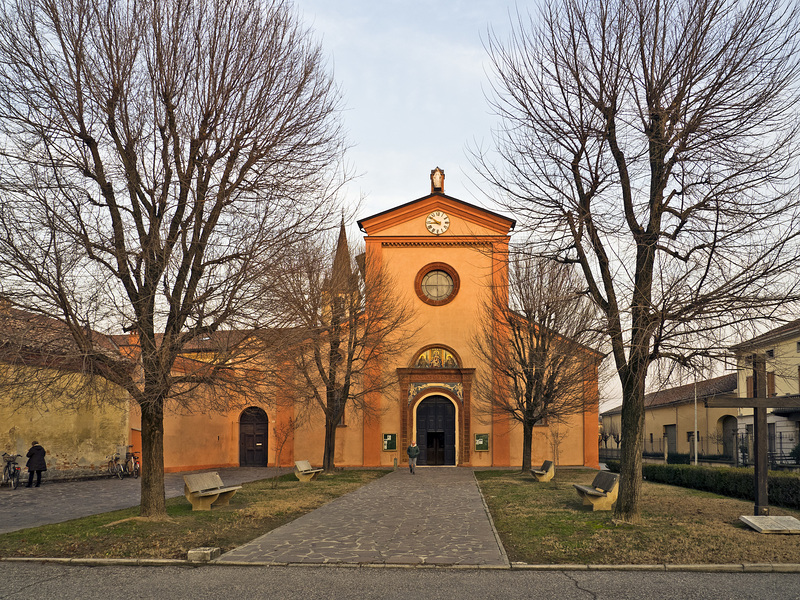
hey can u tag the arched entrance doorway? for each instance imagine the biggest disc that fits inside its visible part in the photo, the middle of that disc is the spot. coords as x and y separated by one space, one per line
728 425
253 437
436 431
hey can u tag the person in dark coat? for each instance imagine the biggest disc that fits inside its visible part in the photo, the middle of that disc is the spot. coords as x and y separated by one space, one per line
413 453
36 463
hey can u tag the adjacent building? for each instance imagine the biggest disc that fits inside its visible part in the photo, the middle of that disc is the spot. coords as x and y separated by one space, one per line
670 417
781 348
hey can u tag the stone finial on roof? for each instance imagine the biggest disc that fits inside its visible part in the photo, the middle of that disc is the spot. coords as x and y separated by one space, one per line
437 181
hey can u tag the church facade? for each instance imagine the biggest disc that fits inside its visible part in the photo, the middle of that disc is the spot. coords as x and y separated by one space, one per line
447 259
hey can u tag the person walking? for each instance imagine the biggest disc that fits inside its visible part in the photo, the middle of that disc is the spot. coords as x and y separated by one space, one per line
413 453
36 463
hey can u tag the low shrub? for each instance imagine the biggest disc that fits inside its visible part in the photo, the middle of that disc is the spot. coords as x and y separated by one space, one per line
784 488
679 459
613 465
795 454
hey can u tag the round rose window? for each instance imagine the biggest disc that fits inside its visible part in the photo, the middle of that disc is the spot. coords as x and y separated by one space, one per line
437 284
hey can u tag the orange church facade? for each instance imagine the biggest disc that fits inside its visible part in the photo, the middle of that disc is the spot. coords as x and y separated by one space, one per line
445 257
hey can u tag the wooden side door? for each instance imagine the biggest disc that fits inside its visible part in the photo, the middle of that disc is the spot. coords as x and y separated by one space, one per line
253 438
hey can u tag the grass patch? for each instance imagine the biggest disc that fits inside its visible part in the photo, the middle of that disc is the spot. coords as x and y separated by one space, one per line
257 508
545 523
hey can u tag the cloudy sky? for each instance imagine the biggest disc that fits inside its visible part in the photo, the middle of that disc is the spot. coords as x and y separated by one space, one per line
413 75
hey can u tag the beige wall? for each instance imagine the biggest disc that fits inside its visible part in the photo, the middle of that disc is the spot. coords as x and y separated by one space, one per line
78 433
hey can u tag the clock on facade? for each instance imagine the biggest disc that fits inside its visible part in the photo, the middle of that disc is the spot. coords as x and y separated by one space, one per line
437 222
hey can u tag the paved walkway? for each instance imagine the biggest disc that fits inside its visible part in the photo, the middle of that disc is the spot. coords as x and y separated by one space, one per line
434 517
58 501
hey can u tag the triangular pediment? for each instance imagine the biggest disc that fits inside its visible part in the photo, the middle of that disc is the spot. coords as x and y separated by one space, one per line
409 219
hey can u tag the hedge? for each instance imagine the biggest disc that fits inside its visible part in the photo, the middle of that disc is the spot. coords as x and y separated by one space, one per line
784 488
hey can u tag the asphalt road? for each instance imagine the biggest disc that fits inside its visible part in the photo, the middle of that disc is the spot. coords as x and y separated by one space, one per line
49 581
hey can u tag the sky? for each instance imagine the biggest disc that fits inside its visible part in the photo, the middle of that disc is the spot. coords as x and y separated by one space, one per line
413 76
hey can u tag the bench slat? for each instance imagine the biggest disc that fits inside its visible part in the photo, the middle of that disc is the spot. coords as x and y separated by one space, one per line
588 490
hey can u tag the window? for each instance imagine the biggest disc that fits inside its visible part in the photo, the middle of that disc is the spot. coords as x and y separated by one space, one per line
437 284
771 353
751 392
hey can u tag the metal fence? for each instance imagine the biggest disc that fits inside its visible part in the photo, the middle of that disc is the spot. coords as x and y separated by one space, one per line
737 450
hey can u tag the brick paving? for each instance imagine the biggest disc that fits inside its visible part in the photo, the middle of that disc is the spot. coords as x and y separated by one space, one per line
58 501
436 517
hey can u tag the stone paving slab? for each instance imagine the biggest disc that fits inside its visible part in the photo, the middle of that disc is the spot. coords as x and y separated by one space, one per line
773 524
59 501
435 517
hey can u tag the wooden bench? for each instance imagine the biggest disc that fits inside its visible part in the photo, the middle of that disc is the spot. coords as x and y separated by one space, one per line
602 494
304 472
546 472
205 490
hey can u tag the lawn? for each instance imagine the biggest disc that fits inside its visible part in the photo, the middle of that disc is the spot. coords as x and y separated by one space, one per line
545 523
257 508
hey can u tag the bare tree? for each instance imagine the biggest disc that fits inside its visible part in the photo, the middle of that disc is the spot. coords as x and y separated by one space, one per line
539 344
157 158
282 434
348 321
654 144
556 436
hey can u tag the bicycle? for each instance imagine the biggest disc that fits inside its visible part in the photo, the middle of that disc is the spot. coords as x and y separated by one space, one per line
11 470
132 465
114 468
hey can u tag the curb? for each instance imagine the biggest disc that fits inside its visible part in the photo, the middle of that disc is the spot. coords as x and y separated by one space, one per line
167 562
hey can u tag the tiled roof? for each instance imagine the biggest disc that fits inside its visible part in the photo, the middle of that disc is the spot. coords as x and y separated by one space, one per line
686 393
770 337
35 339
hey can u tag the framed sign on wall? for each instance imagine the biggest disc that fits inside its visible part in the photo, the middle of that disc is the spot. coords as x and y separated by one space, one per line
389 442
481 442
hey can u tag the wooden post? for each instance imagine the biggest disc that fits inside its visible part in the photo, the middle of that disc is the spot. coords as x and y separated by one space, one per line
760 445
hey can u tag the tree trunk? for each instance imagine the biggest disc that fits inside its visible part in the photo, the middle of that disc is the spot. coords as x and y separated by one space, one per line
153 502
330 446
527 439
630 481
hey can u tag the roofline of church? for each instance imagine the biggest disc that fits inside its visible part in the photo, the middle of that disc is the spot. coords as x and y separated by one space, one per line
439 195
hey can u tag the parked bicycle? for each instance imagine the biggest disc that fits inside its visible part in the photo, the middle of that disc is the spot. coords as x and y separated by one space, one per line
11 470
114 468
132 465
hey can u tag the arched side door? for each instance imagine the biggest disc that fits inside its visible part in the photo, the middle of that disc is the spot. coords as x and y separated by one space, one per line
729 426
253 437
436 431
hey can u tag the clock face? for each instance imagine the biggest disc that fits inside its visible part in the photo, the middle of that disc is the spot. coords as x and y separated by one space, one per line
437 222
